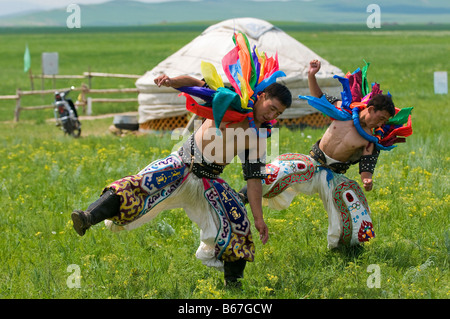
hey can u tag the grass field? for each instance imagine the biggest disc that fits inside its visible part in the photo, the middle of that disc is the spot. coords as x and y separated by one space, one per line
44 176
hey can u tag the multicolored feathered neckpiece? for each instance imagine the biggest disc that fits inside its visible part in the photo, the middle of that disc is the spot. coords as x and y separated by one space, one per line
355 96
249 73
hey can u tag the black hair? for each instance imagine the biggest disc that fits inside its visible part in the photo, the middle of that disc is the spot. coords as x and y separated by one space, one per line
280 92
382 102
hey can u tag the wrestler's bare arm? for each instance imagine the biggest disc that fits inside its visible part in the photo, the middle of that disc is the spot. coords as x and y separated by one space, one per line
314 89
176 82
366 177
254 193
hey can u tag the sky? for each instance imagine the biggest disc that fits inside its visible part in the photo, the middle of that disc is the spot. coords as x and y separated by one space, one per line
64 3
16 6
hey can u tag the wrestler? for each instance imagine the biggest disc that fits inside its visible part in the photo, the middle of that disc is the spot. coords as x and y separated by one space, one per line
341 142
350 139
189 179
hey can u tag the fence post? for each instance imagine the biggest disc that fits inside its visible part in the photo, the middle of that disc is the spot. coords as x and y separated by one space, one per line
17 110
84 90
89 106
89 77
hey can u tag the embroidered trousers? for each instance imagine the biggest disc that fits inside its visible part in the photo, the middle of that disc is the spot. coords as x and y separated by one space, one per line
349 220
211 203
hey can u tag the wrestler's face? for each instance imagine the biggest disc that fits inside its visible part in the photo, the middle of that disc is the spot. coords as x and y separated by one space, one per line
376 119
267 109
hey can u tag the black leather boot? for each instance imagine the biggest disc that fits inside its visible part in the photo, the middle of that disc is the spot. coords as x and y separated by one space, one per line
234 270
243 194
107 206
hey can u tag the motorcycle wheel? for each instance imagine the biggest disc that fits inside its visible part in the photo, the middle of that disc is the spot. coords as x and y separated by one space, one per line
67 128
75 128
76 132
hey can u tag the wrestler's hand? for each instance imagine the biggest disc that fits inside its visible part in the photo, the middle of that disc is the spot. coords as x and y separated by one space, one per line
368 184
263 230
163 80
314 67
366 178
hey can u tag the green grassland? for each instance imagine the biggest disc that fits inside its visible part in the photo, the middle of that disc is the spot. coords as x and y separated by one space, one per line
45 175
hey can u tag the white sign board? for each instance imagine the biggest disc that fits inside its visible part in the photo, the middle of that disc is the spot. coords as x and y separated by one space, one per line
50 63
440 83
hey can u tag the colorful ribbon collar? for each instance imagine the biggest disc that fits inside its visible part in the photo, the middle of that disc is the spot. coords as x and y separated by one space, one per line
249 73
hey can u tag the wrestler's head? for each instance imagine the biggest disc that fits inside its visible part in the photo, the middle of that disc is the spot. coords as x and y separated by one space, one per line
271 103
380 109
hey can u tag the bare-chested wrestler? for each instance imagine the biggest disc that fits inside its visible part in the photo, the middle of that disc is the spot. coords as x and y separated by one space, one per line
344 143
189 179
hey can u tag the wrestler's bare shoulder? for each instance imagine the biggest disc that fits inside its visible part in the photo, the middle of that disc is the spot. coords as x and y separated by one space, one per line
342 125
337 131
346 131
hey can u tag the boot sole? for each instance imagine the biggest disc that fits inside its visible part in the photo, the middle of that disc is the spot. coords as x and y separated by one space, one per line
79 222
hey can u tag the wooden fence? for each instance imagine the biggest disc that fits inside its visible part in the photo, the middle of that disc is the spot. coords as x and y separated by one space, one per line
84 101
86 75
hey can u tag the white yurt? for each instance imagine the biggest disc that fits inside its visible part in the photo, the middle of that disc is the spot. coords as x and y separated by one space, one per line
162 108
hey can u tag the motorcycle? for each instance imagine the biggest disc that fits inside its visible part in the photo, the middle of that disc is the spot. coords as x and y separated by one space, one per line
66 114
